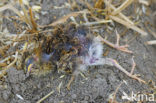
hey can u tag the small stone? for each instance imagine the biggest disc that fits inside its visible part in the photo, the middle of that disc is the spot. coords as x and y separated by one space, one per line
84 101
86 98
6 95
74 96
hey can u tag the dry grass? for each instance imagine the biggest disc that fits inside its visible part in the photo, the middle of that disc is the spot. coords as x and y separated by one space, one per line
111 13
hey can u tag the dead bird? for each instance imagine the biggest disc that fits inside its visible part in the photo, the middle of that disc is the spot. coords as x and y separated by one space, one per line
72 50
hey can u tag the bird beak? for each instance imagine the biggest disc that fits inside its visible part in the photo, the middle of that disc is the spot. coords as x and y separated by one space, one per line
29 69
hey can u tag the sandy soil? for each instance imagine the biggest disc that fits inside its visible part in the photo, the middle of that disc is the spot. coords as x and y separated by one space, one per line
100 81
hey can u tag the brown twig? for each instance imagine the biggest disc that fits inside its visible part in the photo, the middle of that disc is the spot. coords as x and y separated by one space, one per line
122 7
114 95
45 97
3 72
117 19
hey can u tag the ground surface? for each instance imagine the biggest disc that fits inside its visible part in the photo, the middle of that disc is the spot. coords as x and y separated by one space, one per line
100 81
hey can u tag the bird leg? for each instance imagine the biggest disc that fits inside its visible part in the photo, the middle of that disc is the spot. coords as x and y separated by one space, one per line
116 64
70 81
117 46
80 68
113 62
